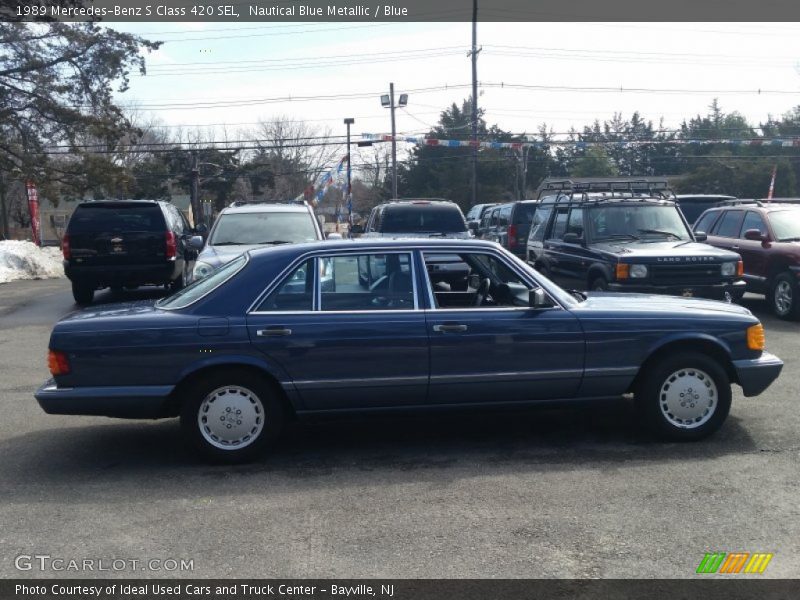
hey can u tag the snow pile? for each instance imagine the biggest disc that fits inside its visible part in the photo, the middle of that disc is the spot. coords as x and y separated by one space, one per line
25 260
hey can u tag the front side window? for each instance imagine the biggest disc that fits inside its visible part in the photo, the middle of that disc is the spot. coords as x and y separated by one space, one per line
560 224
368 282
575 222
753 220
234 229
539 223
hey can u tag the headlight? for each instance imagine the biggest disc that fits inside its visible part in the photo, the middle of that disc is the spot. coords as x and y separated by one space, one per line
728 269
201 270
638 271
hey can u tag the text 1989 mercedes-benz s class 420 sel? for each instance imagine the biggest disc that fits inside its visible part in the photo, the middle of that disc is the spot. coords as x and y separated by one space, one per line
292 330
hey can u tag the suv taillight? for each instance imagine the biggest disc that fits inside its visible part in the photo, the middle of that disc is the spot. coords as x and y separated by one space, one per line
172 245
65 247
511 233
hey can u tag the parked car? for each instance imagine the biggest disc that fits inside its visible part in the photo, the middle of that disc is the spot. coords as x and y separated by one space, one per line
767 236
118 244
628 243
416 218
259 341
241 227
475 215
693 205
509 225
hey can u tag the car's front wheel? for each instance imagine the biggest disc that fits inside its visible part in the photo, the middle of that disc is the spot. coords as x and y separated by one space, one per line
231 415
684 396
784 296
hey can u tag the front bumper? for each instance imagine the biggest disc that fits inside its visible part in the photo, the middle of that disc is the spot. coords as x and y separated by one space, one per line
128 402
716 291
755 375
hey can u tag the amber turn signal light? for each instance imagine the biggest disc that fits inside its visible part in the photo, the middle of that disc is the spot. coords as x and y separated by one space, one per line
755 337
58 362
740 269
623 270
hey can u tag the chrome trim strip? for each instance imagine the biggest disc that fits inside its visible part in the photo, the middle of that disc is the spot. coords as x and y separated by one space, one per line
309 384
506 376
604 371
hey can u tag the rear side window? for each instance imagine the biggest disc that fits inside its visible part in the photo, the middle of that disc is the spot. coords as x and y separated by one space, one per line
102 218
423 219
505 216
575 222
706 221
729 224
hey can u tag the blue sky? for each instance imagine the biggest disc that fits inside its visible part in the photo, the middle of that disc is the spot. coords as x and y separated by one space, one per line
252 62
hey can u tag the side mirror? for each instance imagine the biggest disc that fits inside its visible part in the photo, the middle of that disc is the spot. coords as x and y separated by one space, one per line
572 238
196 242
700 236
473 226
538 299
755 235
333 236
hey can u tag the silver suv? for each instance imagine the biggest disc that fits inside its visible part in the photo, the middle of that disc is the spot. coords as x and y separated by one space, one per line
242 227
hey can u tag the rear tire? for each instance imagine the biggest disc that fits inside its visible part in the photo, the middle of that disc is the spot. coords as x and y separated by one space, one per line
231 416
785 297
684 396
82 294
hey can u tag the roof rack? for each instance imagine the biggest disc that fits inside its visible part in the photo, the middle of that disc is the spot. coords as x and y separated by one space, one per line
248 202
739 201
614 189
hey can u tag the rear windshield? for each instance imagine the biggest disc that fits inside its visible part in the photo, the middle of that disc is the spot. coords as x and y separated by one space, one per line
423 219
234 229
109 217
524 214
201 287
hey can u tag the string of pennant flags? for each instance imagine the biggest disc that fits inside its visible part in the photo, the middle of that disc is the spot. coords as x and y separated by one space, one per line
426 141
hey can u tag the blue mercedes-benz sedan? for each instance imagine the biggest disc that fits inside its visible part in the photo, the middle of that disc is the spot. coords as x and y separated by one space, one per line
292 330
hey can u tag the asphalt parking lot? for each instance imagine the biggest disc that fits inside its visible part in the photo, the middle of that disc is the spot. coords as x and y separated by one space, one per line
556 493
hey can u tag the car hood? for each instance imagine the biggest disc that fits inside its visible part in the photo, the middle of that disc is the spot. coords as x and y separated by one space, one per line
676 251
218 255
658 303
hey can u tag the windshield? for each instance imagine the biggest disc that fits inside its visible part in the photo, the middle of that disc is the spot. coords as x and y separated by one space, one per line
647 222
786 225
235 229
201 287
423 219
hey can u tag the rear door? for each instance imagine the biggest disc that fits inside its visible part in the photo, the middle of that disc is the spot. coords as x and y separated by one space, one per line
117 233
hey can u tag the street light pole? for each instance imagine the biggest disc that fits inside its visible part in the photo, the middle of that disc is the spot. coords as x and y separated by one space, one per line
348 122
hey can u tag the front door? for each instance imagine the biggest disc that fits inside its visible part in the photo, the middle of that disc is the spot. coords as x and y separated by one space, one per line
489 346
343 342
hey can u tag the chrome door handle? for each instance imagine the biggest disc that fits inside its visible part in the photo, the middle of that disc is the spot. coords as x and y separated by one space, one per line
734 247
449 328
273 331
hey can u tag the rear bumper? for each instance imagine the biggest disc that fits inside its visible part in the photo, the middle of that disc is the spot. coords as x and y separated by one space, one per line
131 402
755 375
113 275
717 291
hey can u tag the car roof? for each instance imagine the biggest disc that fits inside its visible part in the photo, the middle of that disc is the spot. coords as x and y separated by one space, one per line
263 207
705 196
374 243
140 202
409 202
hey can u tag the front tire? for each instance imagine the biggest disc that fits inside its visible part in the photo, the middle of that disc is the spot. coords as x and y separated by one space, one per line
179 282
785 297
230 416
82 294
684 396
599 284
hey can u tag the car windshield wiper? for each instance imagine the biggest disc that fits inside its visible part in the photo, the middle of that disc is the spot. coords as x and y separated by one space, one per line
618 236
227 244
274 242
792 239
658 231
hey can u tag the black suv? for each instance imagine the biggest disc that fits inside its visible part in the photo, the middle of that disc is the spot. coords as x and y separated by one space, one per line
604 237
421 217
509 225
127 243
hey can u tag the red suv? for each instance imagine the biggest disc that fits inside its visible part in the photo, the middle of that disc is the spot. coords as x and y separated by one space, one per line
767 236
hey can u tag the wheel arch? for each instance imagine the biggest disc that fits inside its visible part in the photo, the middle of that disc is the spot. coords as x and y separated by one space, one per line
705 344
250 364
597 270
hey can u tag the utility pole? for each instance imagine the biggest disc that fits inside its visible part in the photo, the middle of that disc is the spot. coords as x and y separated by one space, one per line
194 189
474 54
394 144
348 122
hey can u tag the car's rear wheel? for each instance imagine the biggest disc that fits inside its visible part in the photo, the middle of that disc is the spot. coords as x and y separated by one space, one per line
684 396
83 294
785 297
231 415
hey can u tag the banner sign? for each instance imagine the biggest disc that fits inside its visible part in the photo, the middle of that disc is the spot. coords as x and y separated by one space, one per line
33 209
425 141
